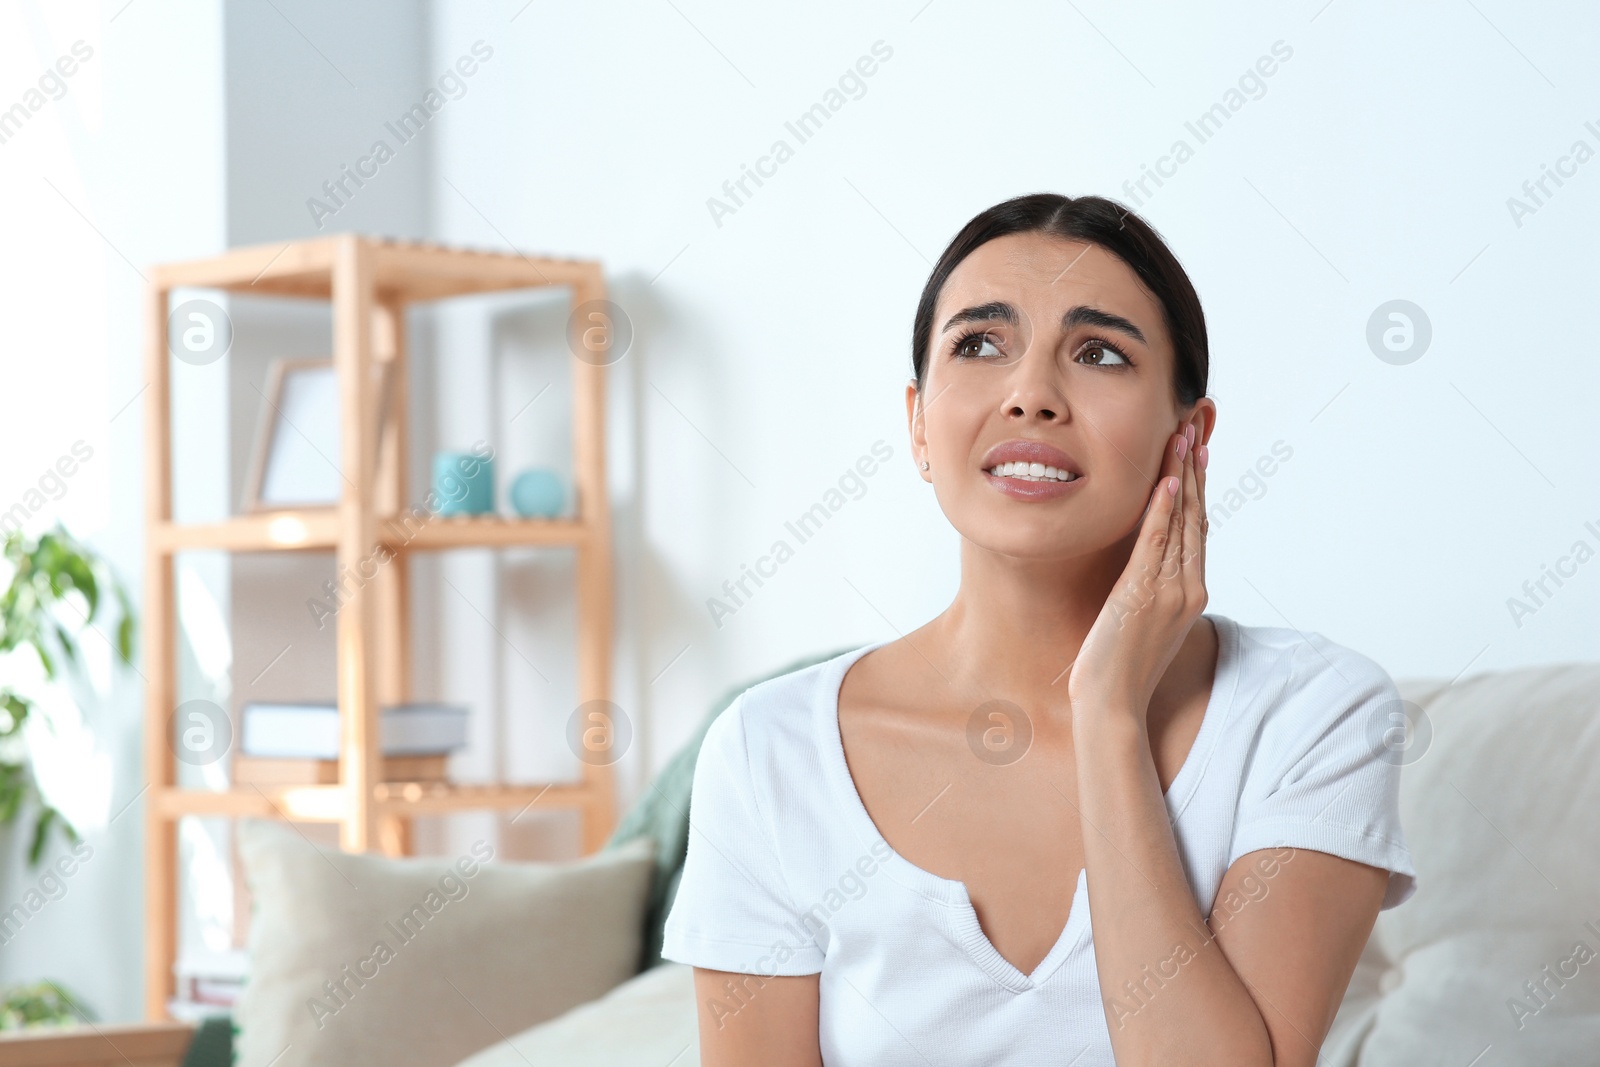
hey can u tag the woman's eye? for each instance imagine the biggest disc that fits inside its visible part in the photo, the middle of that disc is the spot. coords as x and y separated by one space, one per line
965 347
1109 356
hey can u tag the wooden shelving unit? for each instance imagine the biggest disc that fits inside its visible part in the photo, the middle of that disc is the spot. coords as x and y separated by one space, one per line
369 282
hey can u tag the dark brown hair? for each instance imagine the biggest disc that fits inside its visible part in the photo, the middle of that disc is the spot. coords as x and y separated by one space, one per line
1102 222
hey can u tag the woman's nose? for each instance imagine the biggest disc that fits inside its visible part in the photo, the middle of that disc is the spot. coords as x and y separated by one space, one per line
1034 390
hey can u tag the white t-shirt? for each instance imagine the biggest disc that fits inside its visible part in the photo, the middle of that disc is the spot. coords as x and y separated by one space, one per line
787 873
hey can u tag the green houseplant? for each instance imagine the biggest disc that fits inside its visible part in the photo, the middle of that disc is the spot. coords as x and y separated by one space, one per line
54 591
39 1004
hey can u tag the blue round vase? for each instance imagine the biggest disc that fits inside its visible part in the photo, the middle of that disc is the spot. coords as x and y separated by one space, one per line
537 493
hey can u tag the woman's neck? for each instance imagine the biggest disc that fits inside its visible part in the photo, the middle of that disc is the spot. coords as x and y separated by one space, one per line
1015 625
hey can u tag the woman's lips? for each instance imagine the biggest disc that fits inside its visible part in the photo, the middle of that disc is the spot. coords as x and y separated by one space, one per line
1044 489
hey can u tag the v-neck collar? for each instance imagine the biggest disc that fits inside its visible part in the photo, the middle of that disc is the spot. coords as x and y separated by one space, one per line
951 893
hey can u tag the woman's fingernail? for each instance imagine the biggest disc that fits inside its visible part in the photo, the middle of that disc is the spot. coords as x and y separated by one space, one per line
1202 454
1183 445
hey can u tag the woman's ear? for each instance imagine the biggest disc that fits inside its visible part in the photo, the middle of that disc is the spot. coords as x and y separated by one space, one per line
917 426
1204 416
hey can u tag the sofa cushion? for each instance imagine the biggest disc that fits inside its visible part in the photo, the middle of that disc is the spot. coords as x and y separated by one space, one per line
1500 947
649 1019
357 958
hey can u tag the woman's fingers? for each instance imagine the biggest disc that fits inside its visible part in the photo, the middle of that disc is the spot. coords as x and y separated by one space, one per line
1194 538
1172 553
1201 459
1154 535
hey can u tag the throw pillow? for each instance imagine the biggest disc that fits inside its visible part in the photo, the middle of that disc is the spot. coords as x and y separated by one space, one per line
418 962
649 1019
1495 959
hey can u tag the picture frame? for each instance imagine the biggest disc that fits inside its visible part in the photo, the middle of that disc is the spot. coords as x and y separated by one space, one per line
295 461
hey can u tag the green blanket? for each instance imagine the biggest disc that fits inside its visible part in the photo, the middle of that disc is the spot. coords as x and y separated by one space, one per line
662 813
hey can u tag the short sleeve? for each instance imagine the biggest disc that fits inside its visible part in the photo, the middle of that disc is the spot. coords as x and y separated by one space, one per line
1325 774
733 910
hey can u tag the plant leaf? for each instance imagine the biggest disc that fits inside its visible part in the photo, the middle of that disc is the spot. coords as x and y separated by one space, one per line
83 577
44 656
41 829
68 645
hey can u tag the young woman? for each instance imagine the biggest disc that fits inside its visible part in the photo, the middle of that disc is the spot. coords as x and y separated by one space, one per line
1073 819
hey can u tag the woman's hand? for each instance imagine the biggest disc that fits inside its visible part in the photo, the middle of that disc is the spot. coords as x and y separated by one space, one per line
1158 597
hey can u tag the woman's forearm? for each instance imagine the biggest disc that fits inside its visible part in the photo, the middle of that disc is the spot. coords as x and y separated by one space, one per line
1170 995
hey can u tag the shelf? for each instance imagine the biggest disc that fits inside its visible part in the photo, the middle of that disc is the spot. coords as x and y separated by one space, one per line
402 270
367 282
433 798
306 803
314 529
331 803
487 531
93 1044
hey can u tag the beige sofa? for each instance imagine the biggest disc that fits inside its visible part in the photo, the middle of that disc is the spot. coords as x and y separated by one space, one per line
1495 961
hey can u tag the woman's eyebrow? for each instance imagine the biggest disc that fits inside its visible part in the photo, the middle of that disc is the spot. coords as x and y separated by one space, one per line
995 309
1105 320
1081 315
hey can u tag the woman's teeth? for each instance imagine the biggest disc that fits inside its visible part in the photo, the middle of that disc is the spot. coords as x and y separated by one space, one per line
1032 472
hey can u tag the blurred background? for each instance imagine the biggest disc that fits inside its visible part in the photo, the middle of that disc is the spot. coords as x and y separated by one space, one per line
1389 213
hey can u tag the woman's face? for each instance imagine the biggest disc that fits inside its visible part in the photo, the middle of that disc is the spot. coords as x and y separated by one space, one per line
1047 341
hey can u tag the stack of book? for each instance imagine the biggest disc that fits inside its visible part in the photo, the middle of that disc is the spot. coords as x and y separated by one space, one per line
298 743
209 983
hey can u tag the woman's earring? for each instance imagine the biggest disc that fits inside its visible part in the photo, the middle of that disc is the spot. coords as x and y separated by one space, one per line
924 464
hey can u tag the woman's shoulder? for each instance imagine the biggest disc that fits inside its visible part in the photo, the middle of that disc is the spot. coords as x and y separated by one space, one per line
1322 769
1302 686
781 711
1300 659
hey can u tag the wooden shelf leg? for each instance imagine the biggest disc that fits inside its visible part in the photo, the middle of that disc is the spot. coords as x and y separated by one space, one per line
394 835
599 814
392 586
160 670
357 554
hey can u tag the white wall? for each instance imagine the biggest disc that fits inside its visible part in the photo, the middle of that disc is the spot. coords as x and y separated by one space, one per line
134 150
309 89
185 134
771 350
774 347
